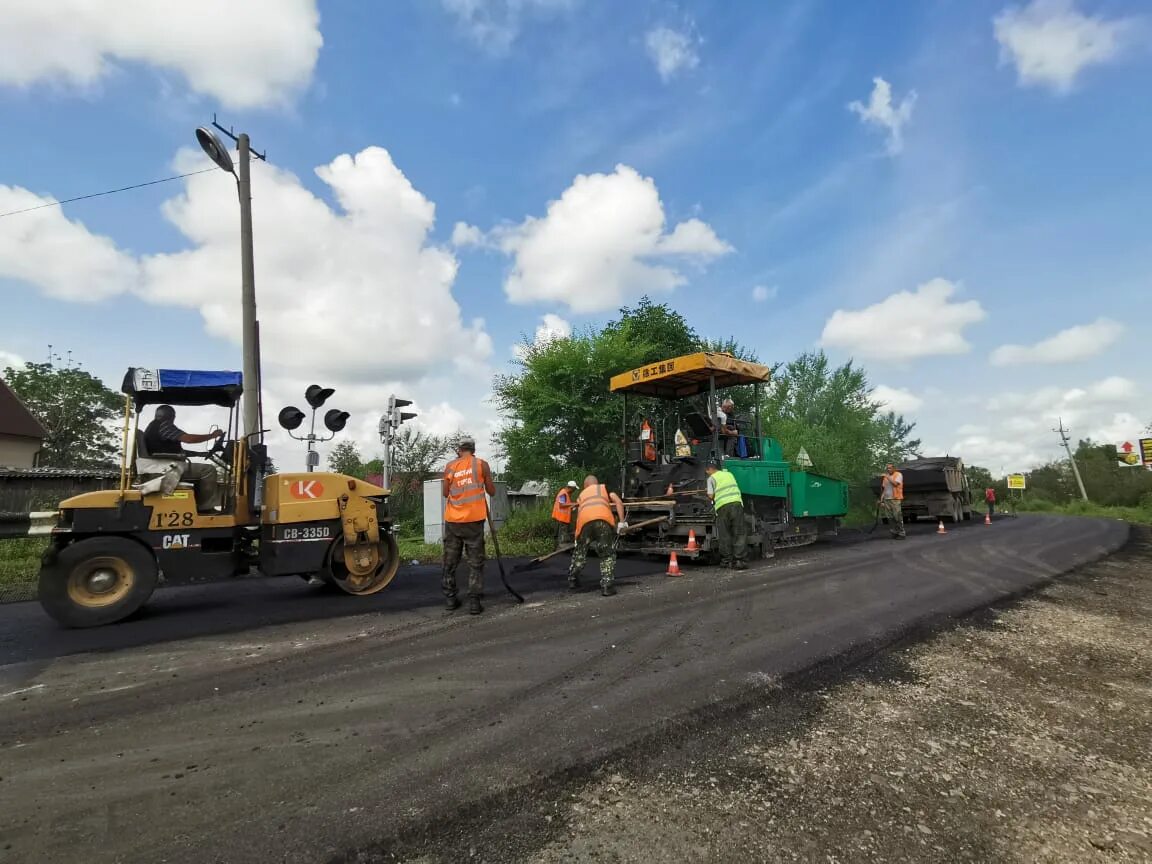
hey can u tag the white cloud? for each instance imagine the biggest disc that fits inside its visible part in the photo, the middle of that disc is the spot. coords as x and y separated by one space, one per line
905 325
1050 42
245 55
353 296
550 327
325 279
464 235
1067 346
881 112
596 246
61 256
495 24
672 51
1020 429
8 359
896 399
763 293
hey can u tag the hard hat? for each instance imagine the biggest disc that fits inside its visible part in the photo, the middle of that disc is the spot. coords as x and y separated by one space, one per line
572 483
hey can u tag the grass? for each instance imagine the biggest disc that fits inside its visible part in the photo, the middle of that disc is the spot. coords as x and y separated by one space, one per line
20 560
527 533
1136 515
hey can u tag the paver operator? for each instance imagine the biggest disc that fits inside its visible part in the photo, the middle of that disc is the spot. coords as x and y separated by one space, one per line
162 437
466 480
562 509
891 496
731 527
597 528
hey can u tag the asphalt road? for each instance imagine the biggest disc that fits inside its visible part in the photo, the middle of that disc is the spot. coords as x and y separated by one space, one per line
327 735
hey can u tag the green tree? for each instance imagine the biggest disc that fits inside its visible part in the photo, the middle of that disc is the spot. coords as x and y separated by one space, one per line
560 418
416 456
1108 482
345 458
79 413
830 412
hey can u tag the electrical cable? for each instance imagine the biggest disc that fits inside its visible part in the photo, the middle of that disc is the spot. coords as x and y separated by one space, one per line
109 192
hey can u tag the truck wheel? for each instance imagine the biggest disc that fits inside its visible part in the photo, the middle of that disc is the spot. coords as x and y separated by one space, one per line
98 581
377 580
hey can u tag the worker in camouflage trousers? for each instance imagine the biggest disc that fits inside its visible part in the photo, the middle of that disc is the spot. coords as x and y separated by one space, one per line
731 526
466 482
597 528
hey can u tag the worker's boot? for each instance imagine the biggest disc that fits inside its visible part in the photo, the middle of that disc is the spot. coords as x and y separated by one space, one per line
607 589
474 607
451 602
739 565
573 583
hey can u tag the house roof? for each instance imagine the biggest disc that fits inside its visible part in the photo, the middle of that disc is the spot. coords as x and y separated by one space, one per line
15 419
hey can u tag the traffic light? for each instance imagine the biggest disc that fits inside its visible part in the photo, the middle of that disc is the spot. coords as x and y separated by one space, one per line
290 418
317 395
395 417
335 419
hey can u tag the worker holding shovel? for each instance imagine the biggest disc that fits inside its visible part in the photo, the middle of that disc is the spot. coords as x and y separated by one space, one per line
597 527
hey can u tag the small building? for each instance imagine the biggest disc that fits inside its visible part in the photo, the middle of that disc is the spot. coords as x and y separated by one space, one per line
532 494
21 435
434 503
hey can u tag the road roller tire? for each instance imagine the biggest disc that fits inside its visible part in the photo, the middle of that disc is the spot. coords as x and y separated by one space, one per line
98 581
363 586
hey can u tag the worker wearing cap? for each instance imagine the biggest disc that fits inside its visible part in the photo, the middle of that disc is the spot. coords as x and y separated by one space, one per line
731 526
466 480
562 509
597 528
891 500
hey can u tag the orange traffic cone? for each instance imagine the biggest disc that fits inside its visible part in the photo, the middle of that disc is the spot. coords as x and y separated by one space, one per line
941 529
692 546
673 565
987 518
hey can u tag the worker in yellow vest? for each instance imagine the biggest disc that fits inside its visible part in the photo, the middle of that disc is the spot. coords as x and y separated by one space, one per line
597 528
731 527
466 480
562 509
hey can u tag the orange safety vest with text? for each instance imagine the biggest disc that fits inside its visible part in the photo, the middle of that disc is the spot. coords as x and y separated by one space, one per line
465 491
594 504
896 481
562 509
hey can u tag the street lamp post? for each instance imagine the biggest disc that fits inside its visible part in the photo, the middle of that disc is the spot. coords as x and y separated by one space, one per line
250 338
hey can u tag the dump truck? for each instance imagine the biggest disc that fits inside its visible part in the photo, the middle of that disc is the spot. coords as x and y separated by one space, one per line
664 483
934 488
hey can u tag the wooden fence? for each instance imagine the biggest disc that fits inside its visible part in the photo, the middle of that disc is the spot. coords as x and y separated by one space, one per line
28 490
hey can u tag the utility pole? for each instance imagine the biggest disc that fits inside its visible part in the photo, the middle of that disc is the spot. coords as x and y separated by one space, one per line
248 293
250 326
1075 470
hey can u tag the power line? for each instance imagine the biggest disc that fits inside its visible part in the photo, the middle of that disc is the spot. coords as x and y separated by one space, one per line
109 192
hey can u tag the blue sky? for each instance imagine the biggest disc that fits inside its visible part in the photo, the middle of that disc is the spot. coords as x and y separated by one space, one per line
955 193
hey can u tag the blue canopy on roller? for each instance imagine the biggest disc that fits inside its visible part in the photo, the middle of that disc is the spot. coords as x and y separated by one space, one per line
182 387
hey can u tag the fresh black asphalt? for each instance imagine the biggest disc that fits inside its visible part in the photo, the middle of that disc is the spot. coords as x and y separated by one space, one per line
359 749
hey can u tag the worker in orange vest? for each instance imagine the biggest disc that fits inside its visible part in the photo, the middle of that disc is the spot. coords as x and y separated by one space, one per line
597 527
892 500
466 480
562 509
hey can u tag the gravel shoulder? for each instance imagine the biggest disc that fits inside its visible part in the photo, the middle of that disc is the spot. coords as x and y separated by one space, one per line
1021 735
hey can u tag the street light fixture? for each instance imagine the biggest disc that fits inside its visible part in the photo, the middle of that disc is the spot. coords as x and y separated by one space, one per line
216 151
